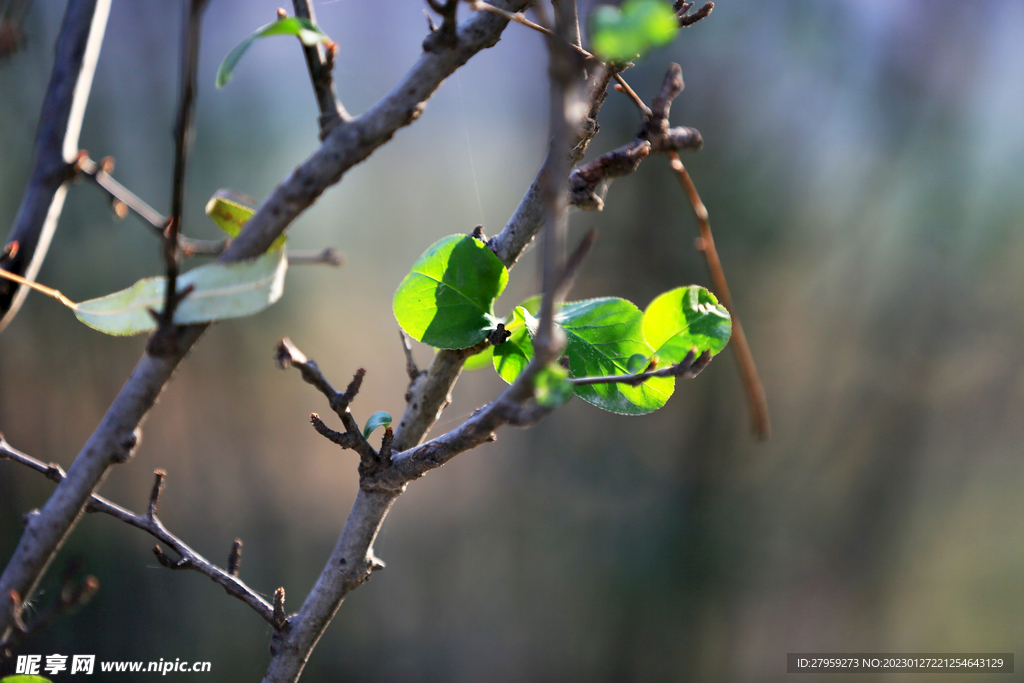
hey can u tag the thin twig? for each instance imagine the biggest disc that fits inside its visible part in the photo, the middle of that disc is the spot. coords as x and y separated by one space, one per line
688 368
760 420
120 196
289 355
187 85
56 146
320 61
151 524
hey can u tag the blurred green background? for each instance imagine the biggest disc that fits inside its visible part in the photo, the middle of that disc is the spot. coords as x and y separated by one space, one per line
864 171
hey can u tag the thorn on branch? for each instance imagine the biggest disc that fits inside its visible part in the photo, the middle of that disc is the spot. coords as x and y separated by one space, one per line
235 557
279 615
410 363
385 447
154 494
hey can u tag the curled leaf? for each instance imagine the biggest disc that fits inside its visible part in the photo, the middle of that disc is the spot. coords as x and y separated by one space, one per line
378 419
304 29
230 210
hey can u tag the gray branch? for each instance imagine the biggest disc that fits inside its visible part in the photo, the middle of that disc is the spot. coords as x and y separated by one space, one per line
117 433
56 147
152 525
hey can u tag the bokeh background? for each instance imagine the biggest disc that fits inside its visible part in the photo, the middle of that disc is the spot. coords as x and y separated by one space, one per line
864 171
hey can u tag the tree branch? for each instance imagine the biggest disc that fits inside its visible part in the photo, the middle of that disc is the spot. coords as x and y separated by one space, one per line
182 141
56 146
320 61
152 525
116 435
353 560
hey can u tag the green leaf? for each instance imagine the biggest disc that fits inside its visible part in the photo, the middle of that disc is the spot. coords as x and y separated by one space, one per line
230 290
620 35
480 360
447 299
603 335
25 679
512 357
551 386
378 419
230 211
686 318
305 30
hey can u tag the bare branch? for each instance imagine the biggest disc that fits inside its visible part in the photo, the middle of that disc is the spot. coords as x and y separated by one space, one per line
116 435
56 146
190 559
320 60
326 257
691 19
288 355
123 199
187 87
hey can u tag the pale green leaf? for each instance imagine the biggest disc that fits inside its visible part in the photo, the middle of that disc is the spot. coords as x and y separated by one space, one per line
230 210
220 291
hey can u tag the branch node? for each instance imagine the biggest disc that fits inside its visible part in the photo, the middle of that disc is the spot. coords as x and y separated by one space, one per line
445 37
166 561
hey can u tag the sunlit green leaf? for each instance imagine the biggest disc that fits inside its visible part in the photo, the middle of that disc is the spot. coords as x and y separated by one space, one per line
447 299
603 335
480 360
305 30
378 419
230 211
621 34
229 290
25 679
686 318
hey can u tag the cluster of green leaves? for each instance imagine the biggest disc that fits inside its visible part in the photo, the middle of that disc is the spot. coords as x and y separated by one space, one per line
447 300
219 291
619 35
